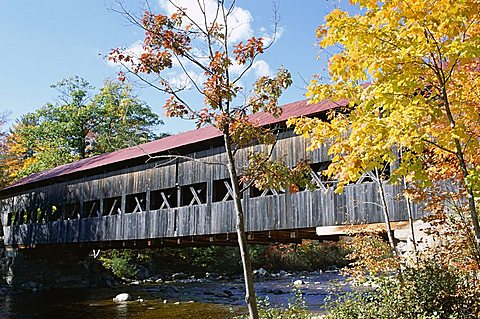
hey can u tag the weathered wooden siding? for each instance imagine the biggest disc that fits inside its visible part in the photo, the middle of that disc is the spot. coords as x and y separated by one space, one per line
34 220
276 212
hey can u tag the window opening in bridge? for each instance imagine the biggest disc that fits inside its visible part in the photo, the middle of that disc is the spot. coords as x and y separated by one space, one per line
72 211
19 216
29 217
112 206
195 194
318 177
12 215
135 203
255 192
369 177
25 217
222 190
91 208
55 213
385 172
365 178
41 215
164 198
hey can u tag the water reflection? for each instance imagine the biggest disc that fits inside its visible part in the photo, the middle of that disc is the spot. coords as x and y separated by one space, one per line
122 310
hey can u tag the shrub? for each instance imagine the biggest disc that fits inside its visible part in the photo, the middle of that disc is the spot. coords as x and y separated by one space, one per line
296 308
122 268
428 291
123 263
309 256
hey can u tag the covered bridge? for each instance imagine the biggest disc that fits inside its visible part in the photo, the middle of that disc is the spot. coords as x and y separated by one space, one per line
130 198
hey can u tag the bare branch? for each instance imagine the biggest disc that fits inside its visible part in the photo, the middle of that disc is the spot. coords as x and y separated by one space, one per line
177 156
439 146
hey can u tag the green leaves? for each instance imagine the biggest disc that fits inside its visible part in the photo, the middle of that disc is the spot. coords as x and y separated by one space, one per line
79 127
275 174
268 90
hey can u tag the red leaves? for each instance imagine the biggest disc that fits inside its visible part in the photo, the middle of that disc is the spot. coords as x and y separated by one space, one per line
216 86
161 33
174 109
121 76
248 51
162 40
205 116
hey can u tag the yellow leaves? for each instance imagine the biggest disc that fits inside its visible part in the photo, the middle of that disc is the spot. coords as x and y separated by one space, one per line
320 32
16 157
370 4
420 57
316 131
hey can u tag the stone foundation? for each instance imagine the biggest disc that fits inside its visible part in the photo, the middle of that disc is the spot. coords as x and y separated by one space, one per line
40 268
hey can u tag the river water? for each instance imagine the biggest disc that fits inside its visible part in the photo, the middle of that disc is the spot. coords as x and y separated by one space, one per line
188 298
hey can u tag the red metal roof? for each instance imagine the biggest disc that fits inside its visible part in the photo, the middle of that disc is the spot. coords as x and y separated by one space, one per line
300 108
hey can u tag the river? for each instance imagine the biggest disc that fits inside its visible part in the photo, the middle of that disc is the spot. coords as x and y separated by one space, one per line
187 298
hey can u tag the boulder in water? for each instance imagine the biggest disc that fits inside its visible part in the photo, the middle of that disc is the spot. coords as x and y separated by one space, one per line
260 272
122 297
298 283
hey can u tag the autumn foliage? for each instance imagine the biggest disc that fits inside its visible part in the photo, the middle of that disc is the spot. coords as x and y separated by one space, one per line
201 50
409 72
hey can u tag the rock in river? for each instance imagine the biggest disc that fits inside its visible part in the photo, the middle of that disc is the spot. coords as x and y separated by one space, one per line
122 297
260 272
298 283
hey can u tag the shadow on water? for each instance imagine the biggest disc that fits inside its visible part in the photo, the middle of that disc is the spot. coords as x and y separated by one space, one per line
86 304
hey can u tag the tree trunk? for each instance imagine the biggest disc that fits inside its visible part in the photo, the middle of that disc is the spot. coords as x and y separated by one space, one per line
250 297
463 166
386 215
411 221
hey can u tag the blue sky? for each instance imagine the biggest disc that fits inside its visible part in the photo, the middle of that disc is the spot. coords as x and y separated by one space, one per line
43 42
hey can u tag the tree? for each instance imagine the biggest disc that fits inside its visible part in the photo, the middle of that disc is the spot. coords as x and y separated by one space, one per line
421 59
201 49
78 127
4 169
122 119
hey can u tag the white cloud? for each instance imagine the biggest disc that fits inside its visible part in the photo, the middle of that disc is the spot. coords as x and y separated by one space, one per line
259 67
183 81
235 69
274 36
239 21
262 68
